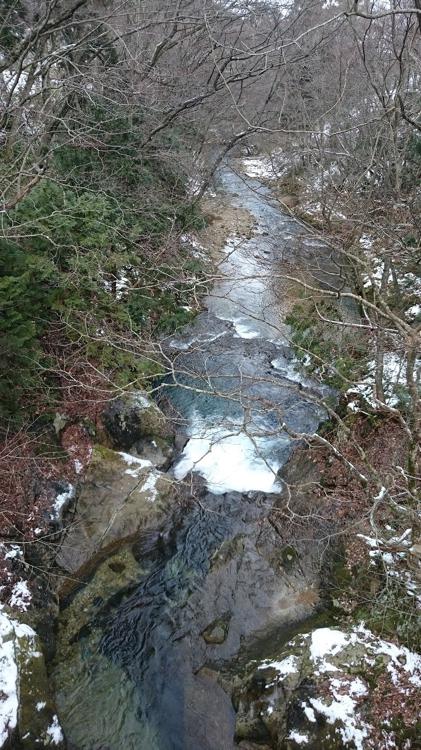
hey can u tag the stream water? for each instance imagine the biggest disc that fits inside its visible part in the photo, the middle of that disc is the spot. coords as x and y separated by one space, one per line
142 673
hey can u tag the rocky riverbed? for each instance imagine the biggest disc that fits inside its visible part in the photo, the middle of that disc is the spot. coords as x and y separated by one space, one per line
180 587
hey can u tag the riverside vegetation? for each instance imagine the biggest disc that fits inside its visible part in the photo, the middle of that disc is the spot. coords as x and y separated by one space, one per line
209 374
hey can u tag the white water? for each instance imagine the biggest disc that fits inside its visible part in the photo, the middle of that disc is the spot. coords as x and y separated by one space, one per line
232 451
229 459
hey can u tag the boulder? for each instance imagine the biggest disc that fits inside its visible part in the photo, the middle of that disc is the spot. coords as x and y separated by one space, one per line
217 631
332 689
133 417
121 495
27 713
158 451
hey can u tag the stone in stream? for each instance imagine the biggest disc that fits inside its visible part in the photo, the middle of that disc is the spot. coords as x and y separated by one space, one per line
121 495
217 631
134 417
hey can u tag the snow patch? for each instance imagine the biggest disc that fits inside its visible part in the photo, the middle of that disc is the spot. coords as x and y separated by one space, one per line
78 466
21 596
413 312
9 631
308 712
327 642
258 167
286 666
150 485
61 501
195 247
13 552
54 731
8 679
343 708
298 737
138 463
395 559
394 374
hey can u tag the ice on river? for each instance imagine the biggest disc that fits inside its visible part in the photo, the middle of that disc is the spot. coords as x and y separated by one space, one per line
229 459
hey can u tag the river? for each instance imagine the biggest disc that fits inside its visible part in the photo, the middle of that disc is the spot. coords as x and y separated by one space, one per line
144 674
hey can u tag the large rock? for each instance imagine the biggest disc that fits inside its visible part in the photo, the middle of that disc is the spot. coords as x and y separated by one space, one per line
121 495
132 418
332 689
27 714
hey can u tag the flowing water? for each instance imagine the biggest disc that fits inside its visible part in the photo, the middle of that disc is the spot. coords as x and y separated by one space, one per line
142 672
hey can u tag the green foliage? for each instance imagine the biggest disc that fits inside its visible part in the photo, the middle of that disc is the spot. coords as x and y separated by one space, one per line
103 216
393 613
326 346
27 293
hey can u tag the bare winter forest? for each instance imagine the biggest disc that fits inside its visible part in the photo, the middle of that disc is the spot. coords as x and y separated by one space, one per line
210 316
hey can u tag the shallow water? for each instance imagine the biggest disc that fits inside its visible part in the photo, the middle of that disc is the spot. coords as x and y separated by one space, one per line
141 671
237 355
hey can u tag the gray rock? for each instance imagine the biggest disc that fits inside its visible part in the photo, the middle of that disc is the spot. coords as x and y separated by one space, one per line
320 692
133 417
33 722
217 631
121 495
158 451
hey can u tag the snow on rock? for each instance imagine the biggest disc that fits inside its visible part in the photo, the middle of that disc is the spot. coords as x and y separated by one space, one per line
61 502
138 464
284 667
21 596
326 641
8 679
148 479
24 680
330 642
342 708
54 732
143 469
149 485
298 737
336 686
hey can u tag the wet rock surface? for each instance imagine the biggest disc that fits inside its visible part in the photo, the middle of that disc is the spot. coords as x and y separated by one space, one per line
187 604
134 417
121 495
